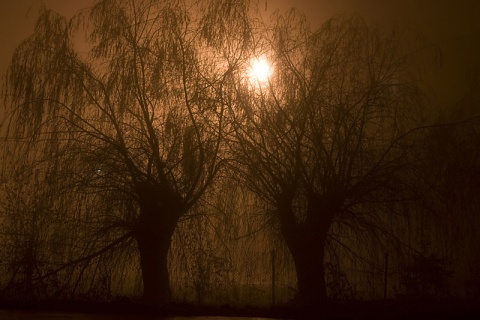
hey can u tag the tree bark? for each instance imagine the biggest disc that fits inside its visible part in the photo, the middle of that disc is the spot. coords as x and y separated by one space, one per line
308 253
153 245
306 242
153 234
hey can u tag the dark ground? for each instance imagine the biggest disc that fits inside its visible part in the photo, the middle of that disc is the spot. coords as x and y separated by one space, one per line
333 309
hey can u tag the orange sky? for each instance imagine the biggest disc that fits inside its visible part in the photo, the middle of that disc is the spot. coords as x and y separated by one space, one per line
451 25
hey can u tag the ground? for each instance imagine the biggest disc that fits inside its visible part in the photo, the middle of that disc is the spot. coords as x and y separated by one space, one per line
332 309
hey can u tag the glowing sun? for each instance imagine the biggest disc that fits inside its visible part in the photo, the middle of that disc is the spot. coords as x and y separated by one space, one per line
259 70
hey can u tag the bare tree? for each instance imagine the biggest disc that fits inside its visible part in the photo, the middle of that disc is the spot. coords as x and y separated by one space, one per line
123 104
320 142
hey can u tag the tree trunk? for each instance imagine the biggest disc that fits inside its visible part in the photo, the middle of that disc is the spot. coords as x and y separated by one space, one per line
153 234
153 245
308 258
306 243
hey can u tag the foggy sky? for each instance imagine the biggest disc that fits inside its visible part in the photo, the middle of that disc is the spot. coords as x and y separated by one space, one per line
450 25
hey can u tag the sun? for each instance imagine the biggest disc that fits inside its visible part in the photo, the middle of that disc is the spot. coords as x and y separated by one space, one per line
259 70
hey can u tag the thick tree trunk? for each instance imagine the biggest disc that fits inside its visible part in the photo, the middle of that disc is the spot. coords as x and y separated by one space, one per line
306 241
308 257
155 226
153 244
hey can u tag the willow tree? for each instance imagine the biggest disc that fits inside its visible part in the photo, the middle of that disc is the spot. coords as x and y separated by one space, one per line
123 102
320 140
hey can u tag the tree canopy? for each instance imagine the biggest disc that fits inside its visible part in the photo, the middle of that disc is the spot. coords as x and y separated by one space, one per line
135 116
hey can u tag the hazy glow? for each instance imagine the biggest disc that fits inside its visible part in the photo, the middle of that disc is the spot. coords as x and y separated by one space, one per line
259 70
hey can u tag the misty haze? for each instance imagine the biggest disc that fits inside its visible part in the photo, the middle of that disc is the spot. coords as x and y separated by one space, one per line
241 158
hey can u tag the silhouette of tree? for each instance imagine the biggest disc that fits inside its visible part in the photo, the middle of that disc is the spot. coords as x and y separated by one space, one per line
320 143
123 104
448 172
